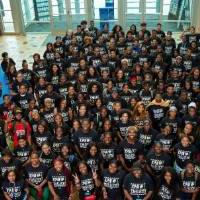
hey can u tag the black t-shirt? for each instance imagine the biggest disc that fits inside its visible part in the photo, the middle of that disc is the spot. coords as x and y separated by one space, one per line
60 181
175 123
48 116
138 187
172 98
184 154
83 139
70 162
108 152
40 138
22 153
41 71
14 190
123 128
147 139
167 193
22 100
13 164
3 143
191 119
87 185
167 141
157 113
158 162
36 175
113 184
57 143
93 162
40 90
146 96
129 151
126 96
47 159
63 89
189 182
177 84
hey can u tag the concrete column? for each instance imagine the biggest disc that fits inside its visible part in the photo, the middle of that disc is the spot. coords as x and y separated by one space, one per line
196 14
89 10
121 14
17 16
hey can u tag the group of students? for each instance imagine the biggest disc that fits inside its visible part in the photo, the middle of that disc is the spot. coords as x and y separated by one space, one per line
103 115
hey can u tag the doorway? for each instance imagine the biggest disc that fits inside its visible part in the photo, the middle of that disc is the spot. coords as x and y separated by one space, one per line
175 15
66 14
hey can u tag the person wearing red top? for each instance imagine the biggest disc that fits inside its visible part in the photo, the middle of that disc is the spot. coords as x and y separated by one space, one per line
18 127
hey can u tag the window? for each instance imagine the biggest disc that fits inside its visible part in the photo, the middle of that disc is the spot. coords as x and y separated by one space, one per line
6 15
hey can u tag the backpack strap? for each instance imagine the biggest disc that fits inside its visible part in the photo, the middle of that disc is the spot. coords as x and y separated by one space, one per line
196 175
182 174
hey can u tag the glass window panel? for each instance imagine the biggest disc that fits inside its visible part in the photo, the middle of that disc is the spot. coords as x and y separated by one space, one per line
129 1
108 13
9 27
6 5
167 2
55 10
7 16
133 11
133 5
72 6
82 5
150 11
54 2
82 11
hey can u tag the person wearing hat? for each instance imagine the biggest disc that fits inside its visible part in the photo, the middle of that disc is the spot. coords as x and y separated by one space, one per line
137 184
17 128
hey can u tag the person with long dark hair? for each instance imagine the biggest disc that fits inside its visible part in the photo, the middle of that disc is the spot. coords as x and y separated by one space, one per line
167 187
14 188
87 182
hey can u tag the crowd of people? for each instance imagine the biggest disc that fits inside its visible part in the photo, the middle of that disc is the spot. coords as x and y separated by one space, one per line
104 114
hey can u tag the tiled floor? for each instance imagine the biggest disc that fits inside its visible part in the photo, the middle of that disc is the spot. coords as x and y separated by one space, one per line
23 47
